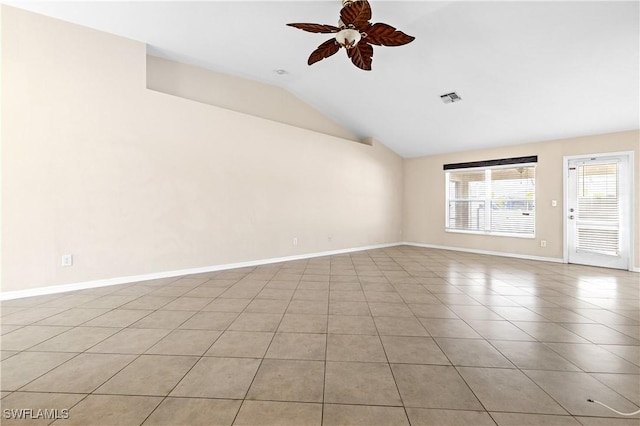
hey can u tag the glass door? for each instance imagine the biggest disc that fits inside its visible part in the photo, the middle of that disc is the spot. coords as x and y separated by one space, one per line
598 212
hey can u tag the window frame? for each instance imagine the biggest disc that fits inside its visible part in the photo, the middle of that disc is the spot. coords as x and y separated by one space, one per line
488 200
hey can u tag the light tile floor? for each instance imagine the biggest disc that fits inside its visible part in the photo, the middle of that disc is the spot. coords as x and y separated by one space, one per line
395 336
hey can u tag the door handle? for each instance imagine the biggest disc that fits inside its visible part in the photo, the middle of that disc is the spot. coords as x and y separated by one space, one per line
571 210
571 217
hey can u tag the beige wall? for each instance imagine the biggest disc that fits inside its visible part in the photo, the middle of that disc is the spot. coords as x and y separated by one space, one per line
424 199
238 94
132 181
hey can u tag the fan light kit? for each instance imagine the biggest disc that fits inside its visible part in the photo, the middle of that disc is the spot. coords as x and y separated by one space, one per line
356 34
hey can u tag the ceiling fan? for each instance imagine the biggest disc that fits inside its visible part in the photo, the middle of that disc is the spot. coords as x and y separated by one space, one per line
356 34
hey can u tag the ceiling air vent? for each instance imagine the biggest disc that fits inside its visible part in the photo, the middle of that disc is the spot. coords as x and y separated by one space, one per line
450 97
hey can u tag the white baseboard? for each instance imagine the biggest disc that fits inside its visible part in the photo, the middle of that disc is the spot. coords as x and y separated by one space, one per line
40 291
488 252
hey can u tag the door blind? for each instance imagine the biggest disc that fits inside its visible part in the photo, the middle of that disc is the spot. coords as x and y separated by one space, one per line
598 208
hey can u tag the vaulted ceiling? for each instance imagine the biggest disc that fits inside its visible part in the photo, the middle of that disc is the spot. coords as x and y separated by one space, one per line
526 71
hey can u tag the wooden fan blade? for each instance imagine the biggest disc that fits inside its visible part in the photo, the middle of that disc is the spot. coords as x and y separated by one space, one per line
325 50
316 28
361 55
357 13
385 35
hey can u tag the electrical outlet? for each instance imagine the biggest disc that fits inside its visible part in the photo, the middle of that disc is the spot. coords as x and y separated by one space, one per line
543 243
67 260
295 241
554 203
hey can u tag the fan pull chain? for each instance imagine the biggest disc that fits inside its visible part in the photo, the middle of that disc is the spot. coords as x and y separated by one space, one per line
612 409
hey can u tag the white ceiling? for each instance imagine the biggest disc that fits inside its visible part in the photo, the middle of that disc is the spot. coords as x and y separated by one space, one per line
527 71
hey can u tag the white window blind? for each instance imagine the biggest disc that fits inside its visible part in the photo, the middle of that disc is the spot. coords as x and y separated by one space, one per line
598 211
494 200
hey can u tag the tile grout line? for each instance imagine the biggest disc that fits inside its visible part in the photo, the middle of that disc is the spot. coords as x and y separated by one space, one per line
275 332
164 398
467 290
395 381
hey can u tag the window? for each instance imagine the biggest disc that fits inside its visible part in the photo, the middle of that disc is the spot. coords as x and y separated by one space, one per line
492 199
